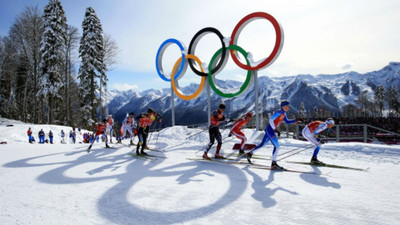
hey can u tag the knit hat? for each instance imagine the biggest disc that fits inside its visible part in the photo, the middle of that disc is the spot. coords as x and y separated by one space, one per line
284 103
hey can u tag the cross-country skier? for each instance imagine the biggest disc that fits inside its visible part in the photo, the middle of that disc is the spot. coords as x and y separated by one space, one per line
100 130
274 122
144 122
311 131
127 126
236 129
216 117
109 130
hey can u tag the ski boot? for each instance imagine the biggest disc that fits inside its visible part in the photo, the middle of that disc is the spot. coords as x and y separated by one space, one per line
107 146
248 156
205 156
143 153
241 151
218 156
315 161
275 166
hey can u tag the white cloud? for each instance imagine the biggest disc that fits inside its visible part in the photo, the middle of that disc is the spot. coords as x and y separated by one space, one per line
124 86
347 67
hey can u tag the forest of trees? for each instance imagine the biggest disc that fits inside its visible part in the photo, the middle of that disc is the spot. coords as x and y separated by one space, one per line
39 82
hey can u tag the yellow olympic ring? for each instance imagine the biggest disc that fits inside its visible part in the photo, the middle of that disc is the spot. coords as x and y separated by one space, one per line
175 85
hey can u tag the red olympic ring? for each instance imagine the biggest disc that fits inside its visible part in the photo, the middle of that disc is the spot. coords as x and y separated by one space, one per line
278 43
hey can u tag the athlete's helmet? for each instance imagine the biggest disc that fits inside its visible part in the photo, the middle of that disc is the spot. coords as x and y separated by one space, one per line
330 121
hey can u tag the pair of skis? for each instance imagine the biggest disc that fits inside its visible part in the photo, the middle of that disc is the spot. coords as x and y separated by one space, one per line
330 165
228 161
147 156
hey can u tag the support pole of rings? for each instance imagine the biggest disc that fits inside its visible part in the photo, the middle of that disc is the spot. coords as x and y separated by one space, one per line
208 103
172 106
256 105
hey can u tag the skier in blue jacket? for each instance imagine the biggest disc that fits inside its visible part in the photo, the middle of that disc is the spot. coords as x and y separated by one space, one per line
274 121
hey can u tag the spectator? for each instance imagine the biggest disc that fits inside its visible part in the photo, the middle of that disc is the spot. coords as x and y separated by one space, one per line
51 137
41 136
29 132
62 137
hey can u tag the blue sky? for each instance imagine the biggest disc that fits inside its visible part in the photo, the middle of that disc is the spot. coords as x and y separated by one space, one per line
321 36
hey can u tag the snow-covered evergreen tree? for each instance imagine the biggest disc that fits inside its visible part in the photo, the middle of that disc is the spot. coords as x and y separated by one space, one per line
364 103
302 111
315 112
53 57
393 99
91 52
379 98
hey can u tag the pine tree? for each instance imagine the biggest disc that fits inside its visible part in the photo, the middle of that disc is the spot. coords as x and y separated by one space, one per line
315 112
302 111
91 52
393 99
379 98
53 58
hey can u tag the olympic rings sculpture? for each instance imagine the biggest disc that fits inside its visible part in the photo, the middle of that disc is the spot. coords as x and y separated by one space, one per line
219 59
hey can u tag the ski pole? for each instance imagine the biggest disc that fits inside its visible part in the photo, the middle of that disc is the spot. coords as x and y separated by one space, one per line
295 149
158 134
93 140
197 133
151 133
305 148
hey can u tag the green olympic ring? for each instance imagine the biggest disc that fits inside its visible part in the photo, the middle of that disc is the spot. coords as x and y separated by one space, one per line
211 78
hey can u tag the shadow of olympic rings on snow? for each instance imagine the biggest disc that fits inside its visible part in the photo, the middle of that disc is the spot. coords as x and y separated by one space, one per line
115 205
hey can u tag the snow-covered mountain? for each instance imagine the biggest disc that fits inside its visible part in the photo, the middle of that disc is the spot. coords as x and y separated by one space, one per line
328 91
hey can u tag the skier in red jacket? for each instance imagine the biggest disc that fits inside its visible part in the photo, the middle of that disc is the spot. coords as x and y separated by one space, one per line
216 118
100 130
236 130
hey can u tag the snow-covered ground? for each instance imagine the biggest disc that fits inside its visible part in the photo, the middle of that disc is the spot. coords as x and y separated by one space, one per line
63 184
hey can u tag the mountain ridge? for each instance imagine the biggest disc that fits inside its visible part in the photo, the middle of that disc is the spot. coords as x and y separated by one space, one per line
331 91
